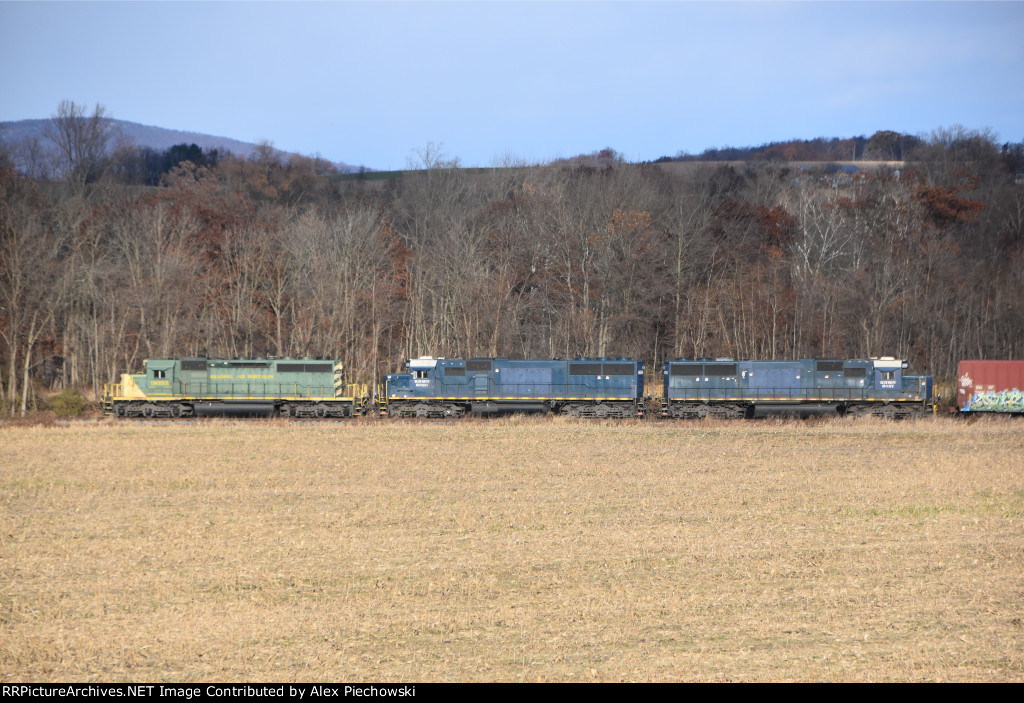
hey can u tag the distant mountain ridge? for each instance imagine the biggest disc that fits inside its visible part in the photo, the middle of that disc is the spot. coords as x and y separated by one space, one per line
156 138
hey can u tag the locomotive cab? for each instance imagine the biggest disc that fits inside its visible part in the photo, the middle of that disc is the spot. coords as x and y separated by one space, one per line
888 373
159 378
422 372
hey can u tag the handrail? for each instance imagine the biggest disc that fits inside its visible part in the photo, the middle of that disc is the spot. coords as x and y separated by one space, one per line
589 390
250 389
790 393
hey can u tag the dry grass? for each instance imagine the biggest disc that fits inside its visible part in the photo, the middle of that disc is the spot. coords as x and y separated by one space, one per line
517 549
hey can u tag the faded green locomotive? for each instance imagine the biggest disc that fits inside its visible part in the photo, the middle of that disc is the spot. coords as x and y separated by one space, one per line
195 387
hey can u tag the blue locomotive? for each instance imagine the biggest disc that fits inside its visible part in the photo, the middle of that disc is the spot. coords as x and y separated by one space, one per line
452 387
724 388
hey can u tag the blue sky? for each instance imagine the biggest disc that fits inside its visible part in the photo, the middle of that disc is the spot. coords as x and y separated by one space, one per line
370 83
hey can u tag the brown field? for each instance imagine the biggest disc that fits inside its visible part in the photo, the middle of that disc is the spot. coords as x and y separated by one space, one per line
515 549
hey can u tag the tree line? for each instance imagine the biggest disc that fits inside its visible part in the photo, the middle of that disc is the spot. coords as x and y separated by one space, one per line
884 145
582 257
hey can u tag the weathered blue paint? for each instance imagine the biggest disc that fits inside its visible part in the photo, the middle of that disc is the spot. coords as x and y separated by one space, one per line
727 388
488 385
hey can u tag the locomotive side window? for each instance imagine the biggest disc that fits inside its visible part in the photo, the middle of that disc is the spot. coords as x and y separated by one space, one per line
419 373
159 373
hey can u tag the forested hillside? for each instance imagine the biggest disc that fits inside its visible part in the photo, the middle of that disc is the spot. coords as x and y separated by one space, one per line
585 257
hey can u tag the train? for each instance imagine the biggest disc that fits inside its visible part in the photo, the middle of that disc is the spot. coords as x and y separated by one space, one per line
606 387
990 386
197 387
729 389
453 387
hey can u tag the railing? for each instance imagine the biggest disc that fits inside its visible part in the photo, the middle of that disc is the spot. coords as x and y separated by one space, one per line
794 394
258 389
107 399
590 390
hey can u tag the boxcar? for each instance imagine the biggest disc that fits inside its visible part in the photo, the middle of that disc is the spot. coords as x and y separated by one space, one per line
726 388
453 387
990 386
290 387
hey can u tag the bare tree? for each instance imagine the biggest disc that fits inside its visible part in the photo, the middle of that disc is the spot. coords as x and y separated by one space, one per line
33 158
31 280
83 141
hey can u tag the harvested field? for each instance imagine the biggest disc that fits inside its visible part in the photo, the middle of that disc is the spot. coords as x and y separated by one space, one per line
512 549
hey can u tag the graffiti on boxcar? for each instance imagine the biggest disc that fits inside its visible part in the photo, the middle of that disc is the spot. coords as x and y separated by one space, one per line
1011 401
